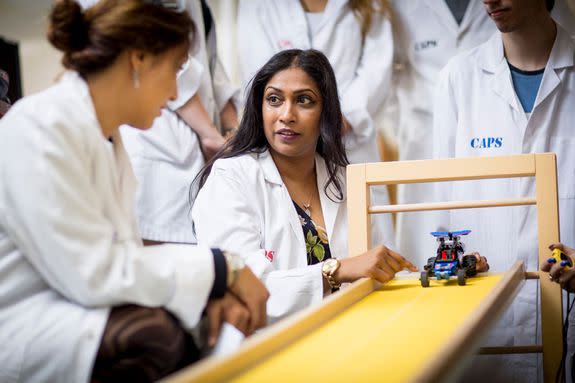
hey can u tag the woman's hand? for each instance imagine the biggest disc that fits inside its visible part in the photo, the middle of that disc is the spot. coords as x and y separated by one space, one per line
481 264
379 263
228 309
253 293
557 273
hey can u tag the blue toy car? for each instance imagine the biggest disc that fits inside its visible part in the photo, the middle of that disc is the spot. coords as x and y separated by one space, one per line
449 261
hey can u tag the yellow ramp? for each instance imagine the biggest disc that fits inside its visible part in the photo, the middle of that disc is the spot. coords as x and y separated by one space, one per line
392 333
397 333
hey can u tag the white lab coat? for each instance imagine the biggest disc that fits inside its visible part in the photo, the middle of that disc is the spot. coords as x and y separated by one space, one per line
167 158
476 101
427 37
245 205
69 245
362 70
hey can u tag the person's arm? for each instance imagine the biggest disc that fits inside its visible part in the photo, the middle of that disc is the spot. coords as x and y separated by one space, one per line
227 98
224 214
196 116
366 92
189 107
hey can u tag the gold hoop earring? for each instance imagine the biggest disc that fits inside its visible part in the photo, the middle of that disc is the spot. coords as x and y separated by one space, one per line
136 79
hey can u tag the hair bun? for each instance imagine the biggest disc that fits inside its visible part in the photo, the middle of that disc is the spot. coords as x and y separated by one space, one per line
68 29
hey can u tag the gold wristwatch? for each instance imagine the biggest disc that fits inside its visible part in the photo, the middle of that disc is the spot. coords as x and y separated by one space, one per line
328 269
235 264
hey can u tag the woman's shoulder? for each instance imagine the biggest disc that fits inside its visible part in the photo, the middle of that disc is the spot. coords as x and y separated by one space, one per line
51 118
55 109
243 166
243 161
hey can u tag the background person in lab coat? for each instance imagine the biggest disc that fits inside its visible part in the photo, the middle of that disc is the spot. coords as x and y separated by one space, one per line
75 277
513 94
277 189
169 156
427 33
357 39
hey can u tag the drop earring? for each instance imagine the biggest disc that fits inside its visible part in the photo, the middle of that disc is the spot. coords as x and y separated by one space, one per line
136 79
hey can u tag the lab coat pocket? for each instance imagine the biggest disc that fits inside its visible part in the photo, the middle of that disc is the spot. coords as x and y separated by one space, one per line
564 148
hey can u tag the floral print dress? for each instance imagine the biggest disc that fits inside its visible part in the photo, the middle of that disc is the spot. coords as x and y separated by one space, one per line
316 243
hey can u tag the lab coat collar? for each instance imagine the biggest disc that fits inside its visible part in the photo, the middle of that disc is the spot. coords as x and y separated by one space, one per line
269 168
561 57
120 166
294 12
332 9
491 54
491 59
79 87
444 15
563 50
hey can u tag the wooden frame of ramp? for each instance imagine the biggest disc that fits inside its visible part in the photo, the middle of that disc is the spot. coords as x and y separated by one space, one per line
267 345
541 166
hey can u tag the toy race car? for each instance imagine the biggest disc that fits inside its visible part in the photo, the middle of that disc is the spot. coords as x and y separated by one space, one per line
449 261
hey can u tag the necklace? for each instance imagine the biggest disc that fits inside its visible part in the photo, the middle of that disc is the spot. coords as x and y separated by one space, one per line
307 207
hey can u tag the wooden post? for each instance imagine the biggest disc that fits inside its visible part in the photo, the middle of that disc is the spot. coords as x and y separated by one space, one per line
358 219
548 233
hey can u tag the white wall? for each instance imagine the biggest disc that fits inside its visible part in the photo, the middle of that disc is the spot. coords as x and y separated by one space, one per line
25 22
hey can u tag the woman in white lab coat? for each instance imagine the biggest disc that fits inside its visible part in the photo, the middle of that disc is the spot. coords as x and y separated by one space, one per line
478 113
72 265
355 36
277 189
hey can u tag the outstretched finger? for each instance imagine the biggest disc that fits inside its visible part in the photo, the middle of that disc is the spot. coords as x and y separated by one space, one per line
405 264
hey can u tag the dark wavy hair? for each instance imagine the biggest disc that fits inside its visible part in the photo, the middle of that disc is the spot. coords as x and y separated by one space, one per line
250 137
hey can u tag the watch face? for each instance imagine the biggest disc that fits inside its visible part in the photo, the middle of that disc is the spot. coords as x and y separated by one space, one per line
329 266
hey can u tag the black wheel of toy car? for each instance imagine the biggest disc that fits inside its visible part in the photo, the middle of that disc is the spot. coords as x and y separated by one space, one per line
424 279
430 264
469 263
461 277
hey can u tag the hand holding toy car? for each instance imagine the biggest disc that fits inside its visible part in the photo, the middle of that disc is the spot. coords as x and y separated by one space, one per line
560 266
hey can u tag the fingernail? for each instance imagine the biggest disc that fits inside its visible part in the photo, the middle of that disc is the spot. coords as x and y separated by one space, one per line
212 341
